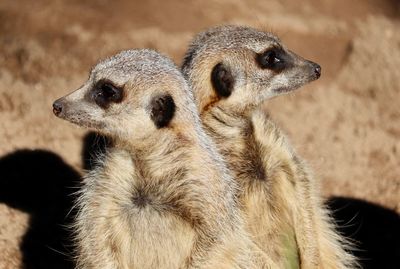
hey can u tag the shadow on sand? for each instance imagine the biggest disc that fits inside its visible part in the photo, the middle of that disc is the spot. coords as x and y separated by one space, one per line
375 229
40 183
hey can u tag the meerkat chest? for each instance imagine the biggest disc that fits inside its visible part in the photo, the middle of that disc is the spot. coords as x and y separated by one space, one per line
257 153
135 219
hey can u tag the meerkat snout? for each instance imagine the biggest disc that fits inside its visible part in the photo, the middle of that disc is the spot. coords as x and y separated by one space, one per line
57 107
280 60
102 93
317 70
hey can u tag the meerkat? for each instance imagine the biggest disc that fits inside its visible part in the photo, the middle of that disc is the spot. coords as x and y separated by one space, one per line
162 196
232 70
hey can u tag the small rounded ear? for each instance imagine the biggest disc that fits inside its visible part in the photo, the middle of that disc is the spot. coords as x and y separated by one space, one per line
162 110
222 80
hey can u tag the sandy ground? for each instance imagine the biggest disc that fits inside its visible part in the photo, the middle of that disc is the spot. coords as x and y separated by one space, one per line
346 125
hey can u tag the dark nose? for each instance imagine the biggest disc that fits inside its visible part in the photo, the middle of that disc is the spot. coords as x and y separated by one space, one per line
317 70
57 107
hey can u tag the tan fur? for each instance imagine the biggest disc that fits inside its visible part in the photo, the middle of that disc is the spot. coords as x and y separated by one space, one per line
280 198
161 197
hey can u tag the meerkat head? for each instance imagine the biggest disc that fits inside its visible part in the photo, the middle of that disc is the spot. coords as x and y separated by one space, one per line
242 67
130 96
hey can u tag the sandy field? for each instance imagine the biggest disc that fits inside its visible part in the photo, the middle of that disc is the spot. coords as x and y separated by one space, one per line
346 124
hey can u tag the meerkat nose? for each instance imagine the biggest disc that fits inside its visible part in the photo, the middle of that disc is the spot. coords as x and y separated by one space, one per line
317 70
57 107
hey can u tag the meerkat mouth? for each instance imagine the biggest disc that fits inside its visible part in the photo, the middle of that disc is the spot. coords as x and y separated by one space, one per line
81 122
284 90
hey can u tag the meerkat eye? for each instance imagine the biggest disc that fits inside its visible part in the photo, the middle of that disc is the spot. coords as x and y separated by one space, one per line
271 59
106 93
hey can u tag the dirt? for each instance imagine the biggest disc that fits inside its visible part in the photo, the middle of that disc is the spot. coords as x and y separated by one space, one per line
346 125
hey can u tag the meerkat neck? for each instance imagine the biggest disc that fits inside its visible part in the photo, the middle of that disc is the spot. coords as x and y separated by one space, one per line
226 111
164 148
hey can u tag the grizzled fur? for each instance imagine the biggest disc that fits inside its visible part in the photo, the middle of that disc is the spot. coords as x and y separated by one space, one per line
161 197
232 70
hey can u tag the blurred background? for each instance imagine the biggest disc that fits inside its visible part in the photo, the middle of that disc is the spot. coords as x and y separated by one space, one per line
346 124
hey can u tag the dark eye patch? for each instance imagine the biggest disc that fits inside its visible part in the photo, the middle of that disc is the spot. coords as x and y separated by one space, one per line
274 59
104 93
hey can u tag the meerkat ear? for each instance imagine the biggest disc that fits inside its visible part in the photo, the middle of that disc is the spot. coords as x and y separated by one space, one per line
162 110
222 80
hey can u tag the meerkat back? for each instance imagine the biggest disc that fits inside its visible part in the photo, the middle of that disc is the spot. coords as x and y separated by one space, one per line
232 70
161 197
